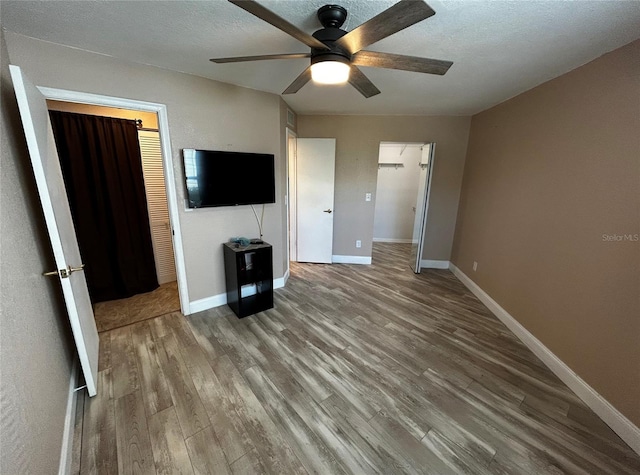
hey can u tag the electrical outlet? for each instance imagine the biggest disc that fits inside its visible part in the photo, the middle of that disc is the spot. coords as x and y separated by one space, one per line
367 196
358 243
475 266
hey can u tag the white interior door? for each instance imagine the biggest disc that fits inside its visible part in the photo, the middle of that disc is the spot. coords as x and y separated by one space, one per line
422 205
315 171
55 205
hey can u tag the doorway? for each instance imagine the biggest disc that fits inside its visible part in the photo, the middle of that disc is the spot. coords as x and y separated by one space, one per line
47 171
311 180
162 295
404 173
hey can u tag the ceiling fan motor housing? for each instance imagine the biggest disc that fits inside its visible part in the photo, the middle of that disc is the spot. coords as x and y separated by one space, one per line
328 36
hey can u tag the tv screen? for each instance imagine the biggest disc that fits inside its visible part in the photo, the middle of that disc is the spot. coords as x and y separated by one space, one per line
219 178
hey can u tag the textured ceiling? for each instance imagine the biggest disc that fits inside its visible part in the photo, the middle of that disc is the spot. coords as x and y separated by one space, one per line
499 48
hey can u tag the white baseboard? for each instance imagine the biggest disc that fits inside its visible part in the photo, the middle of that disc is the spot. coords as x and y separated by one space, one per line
351 259
431 264
618 422
66 451
207 303
397 241
279 283
221 299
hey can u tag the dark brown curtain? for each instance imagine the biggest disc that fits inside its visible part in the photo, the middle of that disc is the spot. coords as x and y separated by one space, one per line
102 168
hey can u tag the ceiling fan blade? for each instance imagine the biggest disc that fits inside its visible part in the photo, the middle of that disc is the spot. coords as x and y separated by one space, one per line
241 59
398 17
398 61
298 82
267 15
361 82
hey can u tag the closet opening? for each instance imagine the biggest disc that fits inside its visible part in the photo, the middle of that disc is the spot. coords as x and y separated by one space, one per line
114 177
402 201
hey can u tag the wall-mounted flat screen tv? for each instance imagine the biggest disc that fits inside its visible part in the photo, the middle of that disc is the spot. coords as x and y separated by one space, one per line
220 178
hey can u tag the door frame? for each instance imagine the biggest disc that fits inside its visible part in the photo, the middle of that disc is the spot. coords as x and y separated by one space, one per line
291 203
167 164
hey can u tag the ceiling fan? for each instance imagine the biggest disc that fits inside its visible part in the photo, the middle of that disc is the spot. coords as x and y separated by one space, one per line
336 54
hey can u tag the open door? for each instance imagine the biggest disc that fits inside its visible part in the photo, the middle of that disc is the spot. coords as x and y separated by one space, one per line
315 172
55 206
422 205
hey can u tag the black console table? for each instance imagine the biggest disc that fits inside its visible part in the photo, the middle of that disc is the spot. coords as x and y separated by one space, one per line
249 277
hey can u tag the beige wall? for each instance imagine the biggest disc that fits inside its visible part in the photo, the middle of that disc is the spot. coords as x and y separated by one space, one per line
35 353
357 141
202 114
549 174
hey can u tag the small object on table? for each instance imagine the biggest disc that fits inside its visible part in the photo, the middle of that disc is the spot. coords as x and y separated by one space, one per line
243 241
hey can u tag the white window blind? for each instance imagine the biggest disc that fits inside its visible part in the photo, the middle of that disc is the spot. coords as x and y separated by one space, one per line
157 205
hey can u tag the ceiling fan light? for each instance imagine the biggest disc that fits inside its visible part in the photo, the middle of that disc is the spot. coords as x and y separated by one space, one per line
330 72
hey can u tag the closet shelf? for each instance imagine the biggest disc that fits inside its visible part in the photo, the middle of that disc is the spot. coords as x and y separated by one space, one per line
390 165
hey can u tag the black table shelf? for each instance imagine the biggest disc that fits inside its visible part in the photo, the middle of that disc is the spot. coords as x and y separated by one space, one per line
249 271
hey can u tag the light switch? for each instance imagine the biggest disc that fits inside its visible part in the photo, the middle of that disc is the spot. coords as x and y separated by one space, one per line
367 196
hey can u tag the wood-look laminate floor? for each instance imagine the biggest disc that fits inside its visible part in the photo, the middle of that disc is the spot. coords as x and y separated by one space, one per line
357 369
119 313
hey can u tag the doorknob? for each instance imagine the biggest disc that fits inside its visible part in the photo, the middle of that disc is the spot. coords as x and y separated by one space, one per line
65 273
328 211
76 269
